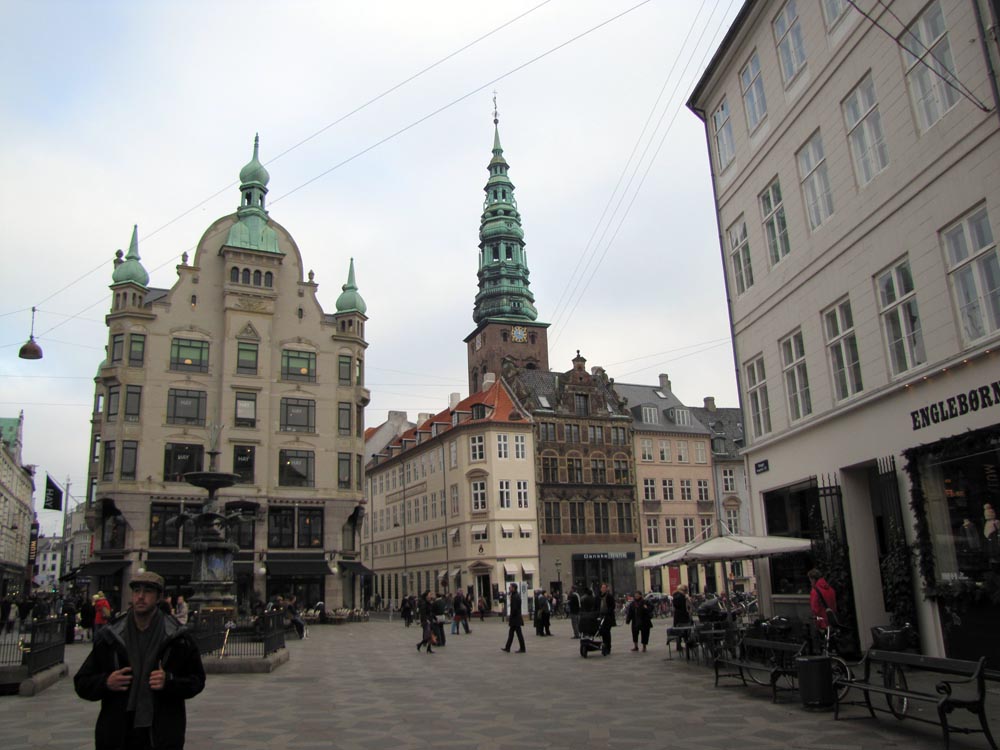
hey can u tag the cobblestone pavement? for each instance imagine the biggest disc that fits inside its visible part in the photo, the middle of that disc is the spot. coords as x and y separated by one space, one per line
364 685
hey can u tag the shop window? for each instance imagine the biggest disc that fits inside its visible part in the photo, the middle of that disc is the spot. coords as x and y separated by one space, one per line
180 459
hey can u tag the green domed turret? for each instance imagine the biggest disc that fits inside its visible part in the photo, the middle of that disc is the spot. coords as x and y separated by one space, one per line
130 269
254 172
349 299
251 232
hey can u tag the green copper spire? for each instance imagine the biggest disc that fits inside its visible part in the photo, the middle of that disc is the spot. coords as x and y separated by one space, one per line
130 269
251 231
503 266
349 300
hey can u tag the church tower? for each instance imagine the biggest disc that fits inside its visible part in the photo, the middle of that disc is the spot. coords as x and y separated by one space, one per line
506 319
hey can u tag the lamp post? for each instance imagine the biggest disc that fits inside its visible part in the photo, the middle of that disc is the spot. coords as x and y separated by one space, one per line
559 573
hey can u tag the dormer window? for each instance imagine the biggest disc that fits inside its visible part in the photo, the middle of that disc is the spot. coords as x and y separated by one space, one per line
479 411
650 415
682 417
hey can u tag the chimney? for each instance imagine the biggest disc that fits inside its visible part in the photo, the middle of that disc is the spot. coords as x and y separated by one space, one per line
664 382
488 380
423 417
709 403
453 400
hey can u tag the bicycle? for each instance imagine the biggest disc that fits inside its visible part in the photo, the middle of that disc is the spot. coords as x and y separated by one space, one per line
828 647
894 639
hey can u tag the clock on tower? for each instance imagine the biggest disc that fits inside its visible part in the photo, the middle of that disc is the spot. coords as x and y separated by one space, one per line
519 334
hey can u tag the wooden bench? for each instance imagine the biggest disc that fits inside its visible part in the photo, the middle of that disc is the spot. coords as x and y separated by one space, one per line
968 676
758 657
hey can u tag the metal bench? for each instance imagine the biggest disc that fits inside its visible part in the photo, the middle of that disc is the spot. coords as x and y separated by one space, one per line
758 657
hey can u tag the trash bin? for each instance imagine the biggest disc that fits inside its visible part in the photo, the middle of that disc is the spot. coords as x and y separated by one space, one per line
815 681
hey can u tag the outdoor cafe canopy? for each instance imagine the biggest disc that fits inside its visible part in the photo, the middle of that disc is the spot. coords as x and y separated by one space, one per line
727 547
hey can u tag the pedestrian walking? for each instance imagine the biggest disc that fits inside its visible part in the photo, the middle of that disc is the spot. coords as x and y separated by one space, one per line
406 611
640 615
87 615
514 620
142 668
102 611
181 610
482 609
575 604
607 612
427 620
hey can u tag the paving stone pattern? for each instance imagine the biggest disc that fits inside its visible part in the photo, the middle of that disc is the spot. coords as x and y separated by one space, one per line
364 685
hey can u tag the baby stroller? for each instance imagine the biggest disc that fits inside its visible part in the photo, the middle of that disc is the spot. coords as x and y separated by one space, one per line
590 633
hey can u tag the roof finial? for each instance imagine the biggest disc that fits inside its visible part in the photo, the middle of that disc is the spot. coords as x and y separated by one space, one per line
496 115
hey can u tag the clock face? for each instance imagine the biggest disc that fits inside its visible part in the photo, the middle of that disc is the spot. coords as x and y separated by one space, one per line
519 334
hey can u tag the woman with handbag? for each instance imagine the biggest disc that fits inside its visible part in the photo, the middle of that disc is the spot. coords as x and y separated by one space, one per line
427 619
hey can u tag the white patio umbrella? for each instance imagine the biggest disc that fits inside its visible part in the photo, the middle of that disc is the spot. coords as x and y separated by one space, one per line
727 547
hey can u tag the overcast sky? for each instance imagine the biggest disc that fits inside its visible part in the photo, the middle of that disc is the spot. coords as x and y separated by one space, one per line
122 113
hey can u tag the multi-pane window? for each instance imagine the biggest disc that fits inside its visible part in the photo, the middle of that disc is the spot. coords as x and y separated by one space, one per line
595 434
453 453
502 447
246 358
788 39
454 499
572 433
506 532
975 274
117 347
668 489
833 11
598 471
793 364
843 347
815 181
246 409
650 415
574 469
344 370
725 147
739 254
624 517
577 518
772 211
186 407
752 86
478 489
550 469
189 355
552 518
581 404
682 451
310 528
296 468
733 520
682 416
130 456
703 489
648 489
652 531
670 530
688 530
503 493
927 56
281 528
344 471
602 518
864 131
760 407
646 449
520 452
163 533
686 489
729 480
180 459
136 349
298 415
665 455
622 473
243 462
900 319
547 431
296 365
700 453
133 402
344 418
706 527
477 448
114 399
619 436
522 493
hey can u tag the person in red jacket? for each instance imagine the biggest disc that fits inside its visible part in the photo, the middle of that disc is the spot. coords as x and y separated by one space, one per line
102 611
822 597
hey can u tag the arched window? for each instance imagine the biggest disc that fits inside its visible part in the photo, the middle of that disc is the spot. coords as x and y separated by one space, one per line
246 275
268 279
234 275
256 278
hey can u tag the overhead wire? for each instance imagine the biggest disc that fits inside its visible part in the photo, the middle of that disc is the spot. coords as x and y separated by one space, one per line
404 129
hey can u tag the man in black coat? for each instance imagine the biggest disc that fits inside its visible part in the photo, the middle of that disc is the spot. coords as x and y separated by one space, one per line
575 605
607 610
143 666
514 620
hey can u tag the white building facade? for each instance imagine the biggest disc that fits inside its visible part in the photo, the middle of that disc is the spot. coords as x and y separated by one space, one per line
856 165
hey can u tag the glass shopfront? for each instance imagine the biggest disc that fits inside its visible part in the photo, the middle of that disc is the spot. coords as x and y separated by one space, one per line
617 569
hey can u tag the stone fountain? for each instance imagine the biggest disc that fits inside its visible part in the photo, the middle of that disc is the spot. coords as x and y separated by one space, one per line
212 569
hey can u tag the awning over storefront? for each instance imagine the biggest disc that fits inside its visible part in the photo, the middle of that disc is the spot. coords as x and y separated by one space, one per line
169 567
455 572
510 569
528 568
103 568
355 567
297 568
71 576
455 532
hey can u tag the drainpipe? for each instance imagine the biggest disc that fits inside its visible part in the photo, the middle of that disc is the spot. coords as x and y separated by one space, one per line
994 6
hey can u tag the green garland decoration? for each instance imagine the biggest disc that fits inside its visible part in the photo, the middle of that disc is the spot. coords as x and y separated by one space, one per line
967 443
